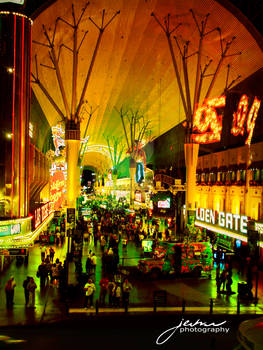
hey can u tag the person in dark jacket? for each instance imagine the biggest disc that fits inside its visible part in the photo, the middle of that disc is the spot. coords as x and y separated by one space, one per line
26 291
42 273
9 291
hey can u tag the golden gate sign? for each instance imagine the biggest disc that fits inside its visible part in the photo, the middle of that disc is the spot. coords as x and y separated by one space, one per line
207 123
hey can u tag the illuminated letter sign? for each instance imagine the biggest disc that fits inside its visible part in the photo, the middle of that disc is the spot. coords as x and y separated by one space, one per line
57 182
229 221
37 217
207 122
240 117
243 224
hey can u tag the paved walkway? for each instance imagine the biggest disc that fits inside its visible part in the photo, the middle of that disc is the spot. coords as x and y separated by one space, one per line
196 292
47 302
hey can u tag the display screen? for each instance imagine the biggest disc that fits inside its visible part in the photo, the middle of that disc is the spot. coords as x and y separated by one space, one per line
8 230
166 203
147 246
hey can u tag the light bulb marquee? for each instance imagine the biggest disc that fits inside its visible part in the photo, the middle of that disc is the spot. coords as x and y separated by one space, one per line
207 123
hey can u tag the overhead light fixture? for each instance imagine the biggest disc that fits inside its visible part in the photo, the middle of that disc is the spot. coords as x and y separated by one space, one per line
10 70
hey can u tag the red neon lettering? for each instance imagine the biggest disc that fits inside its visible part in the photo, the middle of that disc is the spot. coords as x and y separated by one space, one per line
251 119
207 122
240 116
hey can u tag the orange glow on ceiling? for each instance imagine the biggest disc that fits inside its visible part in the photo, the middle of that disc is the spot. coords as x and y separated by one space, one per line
133 67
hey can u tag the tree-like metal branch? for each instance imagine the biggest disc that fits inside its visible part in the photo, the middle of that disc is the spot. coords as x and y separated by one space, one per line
57 70
46 93
168 33
101 31
219 65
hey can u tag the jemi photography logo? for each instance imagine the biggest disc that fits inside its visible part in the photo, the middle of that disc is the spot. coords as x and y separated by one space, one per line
187 326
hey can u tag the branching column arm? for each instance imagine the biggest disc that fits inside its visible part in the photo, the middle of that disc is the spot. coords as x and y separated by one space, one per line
219 65
46 93
57 70
101 31
178 78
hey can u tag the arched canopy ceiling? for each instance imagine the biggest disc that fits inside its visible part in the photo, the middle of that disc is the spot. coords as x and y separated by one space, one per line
133 67
97 160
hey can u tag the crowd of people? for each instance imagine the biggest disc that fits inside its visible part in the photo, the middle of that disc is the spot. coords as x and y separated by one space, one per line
50 273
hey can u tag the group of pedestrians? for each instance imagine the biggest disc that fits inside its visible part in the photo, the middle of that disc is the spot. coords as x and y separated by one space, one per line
115 291
29 286
50 273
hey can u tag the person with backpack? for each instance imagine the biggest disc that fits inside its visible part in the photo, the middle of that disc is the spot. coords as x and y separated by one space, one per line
89 289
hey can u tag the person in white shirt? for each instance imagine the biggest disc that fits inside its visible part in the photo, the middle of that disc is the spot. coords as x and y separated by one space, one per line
89 289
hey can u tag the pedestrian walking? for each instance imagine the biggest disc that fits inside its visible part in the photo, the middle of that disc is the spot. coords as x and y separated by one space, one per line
103 290
126 288
88 262
55 275
9 292
42 252
57 238
223 277
102 243
89 289
117 295
51 254
111 288
62 238
42 273
31 287
26 291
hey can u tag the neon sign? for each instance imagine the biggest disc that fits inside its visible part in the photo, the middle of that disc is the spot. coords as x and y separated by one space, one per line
240 117
229 221
207 123
58 135
42 213
57 183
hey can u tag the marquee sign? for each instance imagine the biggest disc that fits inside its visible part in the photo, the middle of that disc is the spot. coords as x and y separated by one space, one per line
229 221
42 213
207 120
